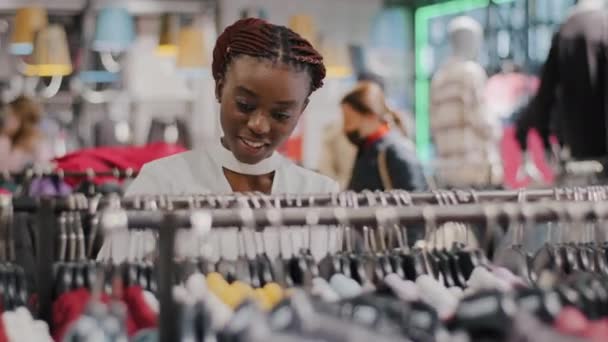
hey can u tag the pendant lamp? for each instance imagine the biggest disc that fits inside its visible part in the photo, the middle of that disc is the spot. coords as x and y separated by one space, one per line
51 54
114 30
303 25
191 60
169 31
28 21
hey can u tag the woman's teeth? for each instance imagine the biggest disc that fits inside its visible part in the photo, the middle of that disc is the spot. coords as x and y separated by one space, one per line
253 144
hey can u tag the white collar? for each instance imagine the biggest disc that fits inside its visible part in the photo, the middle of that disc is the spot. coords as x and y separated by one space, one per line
226 159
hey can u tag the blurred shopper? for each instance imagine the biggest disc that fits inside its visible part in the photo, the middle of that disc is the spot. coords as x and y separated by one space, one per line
465 134
386 159
572 99
21 142
337 153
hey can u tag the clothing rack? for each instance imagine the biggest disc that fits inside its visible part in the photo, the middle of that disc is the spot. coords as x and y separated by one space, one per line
351 199
323 211
202 220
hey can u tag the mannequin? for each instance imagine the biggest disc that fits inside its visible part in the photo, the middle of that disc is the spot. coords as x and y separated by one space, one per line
465 135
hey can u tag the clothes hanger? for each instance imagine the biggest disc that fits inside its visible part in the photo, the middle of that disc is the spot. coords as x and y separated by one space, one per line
370 259
277 266
600 257
344 244
312 220
383 256
63 278
452 257
438 263
514 258
582 252
252 276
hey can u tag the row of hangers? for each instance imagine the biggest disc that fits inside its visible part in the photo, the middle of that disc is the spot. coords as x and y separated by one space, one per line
584 251
353 200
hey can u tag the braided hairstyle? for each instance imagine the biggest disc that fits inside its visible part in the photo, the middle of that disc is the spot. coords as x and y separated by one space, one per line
258 38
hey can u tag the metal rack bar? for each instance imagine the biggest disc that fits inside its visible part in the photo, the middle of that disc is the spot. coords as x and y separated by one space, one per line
357 217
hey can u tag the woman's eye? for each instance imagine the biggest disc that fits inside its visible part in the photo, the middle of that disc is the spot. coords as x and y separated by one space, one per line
280 116
245 107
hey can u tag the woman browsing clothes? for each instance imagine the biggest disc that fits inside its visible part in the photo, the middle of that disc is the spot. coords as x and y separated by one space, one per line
264 75
386 158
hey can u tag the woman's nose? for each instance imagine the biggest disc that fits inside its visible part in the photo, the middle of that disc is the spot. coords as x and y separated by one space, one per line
258 123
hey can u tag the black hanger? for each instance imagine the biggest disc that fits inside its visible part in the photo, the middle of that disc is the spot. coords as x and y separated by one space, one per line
330 264
356 262
451 259
371 259
430 256
394 256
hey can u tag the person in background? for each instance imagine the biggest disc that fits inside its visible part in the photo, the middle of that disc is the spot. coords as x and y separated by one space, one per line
386 159
337 153
21 141
571 101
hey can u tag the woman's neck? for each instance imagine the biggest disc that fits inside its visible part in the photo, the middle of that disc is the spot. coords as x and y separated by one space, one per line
249 183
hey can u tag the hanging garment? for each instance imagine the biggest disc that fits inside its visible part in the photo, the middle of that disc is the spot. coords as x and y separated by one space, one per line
104 159
49 187
571 100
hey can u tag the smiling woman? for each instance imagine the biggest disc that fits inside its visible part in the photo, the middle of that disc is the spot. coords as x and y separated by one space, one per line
264 75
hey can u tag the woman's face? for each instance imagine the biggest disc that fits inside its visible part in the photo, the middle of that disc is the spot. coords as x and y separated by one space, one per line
260 105
352 119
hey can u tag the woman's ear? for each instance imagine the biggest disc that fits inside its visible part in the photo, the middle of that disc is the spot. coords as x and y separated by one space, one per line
219 85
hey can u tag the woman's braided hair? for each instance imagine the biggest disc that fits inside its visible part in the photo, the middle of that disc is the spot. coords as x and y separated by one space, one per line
258 38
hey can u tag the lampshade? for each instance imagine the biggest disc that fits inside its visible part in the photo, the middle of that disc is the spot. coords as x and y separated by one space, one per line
191 59
114 30
337 59
28 21
51 55
303 25
167 39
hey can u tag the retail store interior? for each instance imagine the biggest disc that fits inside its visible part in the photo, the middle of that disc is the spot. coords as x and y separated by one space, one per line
303 170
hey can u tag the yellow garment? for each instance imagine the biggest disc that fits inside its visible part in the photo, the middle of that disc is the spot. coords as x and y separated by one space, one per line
274 292
234 294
